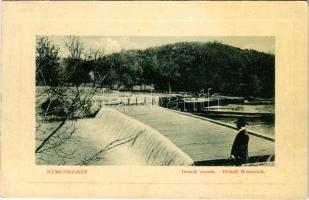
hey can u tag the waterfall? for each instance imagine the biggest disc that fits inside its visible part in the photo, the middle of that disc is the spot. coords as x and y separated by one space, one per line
150 145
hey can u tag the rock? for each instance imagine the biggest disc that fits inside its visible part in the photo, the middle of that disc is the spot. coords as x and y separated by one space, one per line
53 107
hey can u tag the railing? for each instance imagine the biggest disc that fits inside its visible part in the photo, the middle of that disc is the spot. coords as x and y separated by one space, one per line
135 100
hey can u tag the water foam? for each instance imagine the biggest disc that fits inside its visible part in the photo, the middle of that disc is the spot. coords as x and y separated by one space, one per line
150 145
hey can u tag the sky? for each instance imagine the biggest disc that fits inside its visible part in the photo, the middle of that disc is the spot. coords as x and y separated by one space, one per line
112 44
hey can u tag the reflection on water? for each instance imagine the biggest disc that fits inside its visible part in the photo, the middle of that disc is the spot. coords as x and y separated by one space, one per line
248 108
255 124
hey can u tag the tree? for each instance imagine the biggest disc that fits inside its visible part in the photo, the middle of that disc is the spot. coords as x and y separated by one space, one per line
77 64
128 69
48 71
75 47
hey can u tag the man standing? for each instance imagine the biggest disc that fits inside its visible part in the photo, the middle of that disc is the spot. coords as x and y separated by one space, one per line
239 152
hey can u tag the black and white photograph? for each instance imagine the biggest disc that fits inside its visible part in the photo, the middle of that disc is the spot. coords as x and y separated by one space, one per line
155 100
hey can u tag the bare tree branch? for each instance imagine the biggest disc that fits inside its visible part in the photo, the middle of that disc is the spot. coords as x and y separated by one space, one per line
111 145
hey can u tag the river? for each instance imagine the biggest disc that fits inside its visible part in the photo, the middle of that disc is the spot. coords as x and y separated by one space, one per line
255 124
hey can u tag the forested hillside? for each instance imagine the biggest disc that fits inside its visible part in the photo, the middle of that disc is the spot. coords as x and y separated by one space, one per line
185 67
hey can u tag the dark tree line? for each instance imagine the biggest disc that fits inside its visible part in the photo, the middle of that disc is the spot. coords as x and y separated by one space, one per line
186 67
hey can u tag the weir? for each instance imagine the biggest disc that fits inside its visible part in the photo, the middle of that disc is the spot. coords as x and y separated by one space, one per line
201 139
150 145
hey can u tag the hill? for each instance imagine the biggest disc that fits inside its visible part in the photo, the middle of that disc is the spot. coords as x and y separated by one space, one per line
192 66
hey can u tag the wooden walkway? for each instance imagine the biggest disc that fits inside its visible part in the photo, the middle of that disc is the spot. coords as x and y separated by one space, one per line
200 139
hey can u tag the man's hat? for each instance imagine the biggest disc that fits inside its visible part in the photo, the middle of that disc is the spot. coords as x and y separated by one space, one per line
241 121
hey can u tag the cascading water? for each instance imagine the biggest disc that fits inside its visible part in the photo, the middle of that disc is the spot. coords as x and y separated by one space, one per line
150 146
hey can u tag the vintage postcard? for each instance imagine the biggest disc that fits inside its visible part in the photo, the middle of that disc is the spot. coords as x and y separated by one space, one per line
154 99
